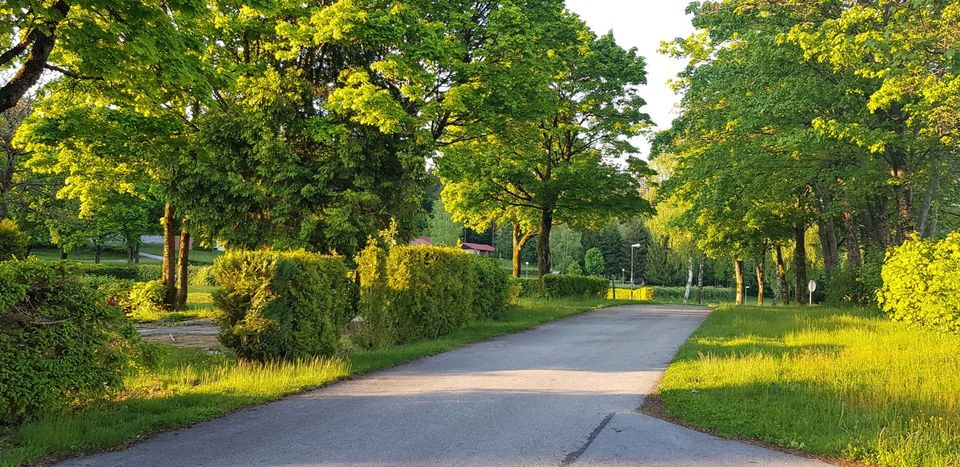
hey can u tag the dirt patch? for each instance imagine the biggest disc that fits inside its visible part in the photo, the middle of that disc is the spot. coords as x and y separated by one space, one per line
202 341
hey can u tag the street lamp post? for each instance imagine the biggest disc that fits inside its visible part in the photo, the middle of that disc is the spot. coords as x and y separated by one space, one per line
633 248
526 271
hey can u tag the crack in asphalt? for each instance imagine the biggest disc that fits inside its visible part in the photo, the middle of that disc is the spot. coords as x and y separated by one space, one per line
573 456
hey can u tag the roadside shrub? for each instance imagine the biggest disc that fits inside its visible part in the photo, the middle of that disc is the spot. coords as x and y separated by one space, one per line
60 344
921 283
710 294
13 243
281 305
623 293
145 301
138 272
529 287
574 286
415 293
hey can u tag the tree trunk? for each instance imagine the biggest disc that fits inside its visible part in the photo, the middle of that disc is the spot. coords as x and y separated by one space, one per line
169 276
902 194
520 240
63 254
136 254
686 293
852 231
41 39
760 283
782 295
738 270
926 214
828 244
98 253
183 265
703 259
129 254
543 242
800 263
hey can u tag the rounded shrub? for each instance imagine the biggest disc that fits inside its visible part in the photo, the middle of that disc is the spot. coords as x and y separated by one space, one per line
921 283
13 242
145 301
574 269
593 262
61 345
281 305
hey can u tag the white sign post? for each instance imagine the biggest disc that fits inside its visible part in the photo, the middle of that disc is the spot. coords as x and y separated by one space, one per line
812 287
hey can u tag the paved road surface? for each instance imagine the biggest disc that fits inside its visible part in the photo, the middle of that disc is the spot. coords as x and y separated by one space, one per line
564 393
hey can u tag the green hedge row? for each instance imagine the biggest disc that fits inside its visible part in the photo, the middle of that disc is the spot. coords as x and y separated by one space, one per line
415 293
921 283
138 273
282 305
60 344
565 286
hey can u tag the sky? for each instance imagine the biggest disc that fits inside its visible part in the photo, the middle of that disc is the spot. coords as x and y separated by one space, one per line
644 24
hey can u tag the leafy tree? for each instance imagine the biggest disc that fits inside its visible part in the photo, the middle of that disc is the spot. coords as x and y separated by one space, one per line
558 167
593 262
566 247
443 230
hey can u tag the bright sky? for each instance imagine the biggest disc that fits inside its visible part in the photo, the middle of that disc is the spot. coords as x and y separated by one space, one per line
643 24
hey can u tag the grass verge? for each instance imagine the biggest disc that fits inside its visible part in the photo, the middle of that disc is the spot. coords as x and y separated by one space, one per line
177 386
831 381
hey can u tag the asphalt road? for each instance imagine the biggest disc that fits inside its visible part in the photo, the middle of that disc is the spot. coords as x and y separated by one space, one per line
562 394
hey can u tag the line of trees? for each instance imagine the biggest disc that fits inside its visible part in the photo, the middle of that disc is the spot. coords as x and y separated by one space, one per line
831 117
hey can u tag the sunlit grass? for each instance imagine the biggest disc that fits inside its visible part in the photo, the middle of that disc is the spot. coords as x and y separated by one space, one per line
178 387
843 382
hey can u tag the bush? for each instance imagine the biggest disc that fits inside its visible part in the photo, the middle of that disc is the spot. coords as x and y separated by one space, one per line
145 302
567 286
921 283
623 293
856 285
574 269
60 344
202 276
710 294
417 293
13 243
139 272
593 262
281 305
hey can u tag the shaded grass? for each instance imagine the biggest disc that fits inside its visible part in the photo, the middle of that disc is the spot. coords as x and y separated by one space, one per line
832 381
177 386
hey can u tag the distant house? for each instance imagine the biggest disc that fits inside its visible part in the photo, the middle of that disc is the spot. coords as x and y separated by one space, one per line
421 241
478 248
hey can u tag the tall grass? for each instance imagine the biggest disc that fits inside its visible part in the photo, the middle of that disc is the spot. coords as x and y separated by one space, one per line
844 382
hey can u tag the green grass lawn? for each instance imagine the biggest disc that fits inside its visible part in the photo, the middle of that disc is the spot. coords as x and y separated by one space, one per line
832 381
177 387
196 256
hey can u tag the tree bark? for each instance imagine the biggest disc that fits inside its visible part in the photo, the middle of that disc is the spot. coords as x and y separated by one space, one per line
686 293
543 242
800 263
97 254
169 275
703 259
852 232
905 226
738 271
782 295
520 239
136 254
760 283
828 244
183 265
42 41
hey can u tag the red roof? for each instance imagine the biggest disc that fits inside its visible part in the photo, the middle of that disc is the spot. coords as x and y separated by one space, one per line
479 247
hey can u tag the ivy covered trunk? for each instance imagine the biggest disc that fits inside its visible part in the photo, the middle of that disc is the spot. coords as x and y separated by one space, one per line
169 276
543 242
183 265
800 263
738 270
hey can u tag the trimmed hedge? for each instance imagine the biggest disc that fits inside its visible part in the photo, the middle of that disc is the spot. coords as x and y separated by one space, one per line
921 283
138 273
415 293
281 305
623 293
60 344
567 286
13 242
710 294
